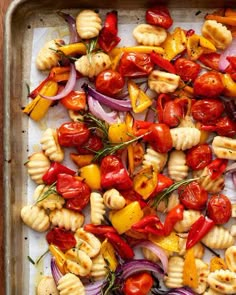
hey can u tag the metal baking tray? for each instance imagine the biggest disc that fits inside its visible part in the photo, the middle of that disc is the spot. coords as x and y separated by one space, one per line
22 17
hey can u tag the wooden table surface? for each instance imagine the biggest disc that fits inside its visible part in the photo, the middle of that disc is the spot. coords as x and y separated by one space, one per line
3 7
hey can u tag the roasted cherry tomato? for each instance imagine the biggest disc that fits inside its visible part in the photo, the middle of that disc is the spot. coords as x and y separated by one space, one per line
75 100
93 144
207 110
199 156
138 284
61 238
219 209
73 134
210 60
208 85
187 69
174 111
159 137
193 196
159 16
135 64
109 82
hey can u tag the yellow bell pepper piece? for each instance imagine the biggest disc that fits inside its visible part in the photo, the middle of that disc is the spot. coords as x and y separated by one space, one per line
229 84
39 106
207 45
118 133
60 258
197 45
123 219
217 263
108 253
140 101
81 160
145 182
92 176
190 273
174 44
73 48
169 243
138 49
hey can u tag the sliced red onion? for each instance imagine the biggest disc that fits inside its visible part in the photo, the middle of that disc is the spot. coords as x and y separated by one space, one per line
115 104
231 168
234 178
181 291
97 110
94 288
158 251
74 37
69 85
55 271
229 51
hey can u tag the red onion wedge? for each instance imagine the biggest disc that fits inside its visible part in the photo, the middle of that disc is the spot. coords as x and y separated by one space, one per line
74 37
229 51
69 85
234 178
97 110
175 291
158 251
231 168
114 104
55 271
94 288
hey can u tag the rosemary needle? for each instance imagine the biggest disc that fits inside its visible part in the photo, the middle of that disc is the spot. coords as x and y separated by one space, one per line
51 190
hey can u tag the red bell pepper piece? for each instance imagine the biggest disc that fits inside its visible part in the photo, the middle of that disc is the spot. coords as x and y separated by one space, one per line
132 195
108 38
37 90
149 224
120 245
114 174
210 60
56 168
224 127
189 33
163 63
217 167
173 216
159 16
141 127
99 230
198 230
61 238
161 101
163 182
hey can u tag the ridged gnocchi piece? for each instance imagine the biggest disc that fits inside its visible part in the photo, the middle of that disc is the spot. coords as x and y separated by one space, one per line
230 258
113 199
47 56
78 262
47 286
223 281
35 218
189 217
198 248
97 208
175 272
224 147
163 82
37 165
177 167
203 272
210 185
87 242
217 33
52 201
99 268
154 159
50 145
149 35
184 138
173 201
93 64
233 230
233 211
67 219
88 24
70 284
218 238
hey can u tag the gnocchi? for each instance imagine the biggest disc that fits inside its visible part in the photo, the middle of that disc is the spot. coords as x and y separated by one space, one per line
149 35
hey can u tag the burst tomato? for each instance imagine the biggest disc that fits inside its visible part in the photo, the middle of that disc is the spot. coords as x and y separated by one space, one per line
208 85
138 284
207 110
187 69
61 238
75 100
109 82
135 64
192 196
173 112
72 134
210 60
94 143
199 156
219 209
159 16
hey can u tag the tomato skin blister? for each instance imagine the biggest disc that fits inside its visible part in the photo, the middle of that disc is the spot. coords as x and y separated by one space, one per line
172 142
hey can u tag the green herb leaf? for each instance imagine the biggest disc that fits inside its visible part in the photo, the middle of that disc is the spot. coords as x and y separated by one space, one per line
96 123
31 260
41 257
51 190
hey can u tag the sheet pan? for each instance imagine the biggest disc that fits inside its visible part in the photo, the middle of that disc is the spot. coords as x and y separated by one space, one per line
22 18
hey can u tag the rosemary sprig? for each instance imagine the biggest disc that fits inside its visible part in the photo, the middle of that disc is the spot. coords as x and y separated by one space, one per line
90 47
31 260
211 250
41 256
94 122
112 148
164 195
51 190
62 54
